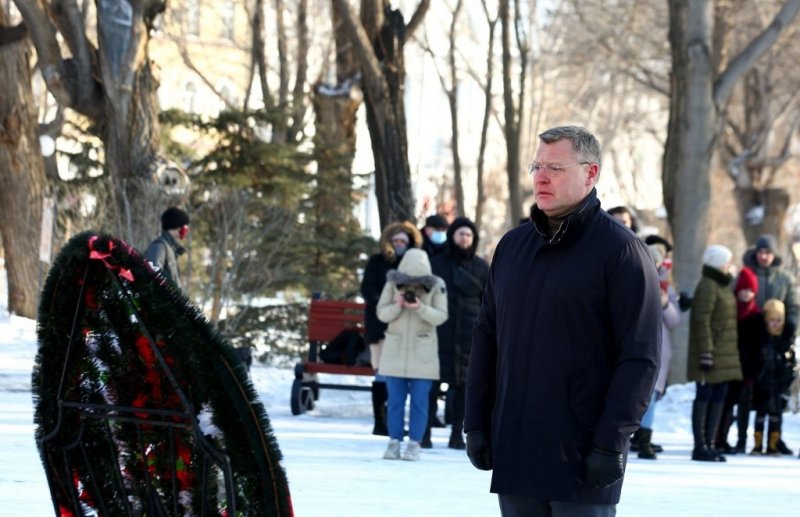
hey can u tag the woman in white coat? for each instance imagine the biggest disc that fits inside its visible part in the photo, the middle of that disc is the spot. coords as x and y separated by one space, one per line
413 303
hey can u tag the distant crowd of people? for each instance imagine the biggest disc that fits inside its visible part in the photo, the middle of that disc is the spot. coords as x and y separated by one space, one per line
741 351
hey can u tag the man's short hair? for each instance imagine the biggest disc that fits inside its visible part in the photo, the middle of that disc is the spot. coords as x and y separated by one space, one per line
583 142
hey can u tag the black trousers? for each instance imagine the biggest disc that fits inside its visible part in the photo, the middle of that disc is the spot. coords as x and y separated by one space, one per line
519 506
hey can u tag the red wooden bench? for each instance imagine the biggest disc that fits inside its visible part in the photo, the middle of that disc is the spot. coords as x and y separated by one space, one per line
326 319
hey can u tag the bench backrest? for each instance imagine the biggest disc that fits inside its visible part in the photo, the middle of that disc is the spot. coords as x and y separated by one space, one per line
326 318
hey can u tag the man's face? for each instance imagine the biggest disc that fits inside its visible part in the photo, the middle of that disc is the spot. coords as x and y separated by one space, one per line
764 257
463 237
558 193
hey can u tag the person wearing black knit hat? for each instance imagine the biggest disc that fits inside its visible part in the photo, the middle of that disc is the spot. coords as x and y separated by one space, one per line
164 251
465 275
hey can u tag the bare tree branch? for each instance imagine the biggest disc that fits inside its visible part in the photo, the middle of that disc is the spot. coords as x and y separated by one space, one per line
738 66
417 17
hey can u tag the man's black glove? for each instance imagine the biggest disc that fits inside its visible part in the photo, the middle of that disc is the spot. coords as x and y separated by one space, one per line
479 450
706 361
603 467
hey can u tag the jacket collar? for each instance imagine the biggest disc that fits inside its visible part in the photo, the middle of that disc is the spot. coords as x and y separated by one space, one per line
169 239
717 276
571 224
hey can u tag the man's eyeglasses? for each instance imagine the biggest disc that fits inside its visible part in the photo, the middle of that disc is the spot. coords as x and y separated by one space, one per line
554 169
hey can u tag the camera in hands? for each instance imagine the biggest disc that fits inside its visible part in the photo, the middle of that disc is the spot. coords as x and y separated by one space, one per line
410 296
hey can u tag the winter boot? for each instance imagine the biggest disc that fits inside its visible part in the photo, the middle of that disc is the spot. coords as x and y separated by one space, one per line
412 451
700 451
646 451
772 444
636 438
721 436
456 438
783 448
743 419
712 423
426 442
379 397
758 438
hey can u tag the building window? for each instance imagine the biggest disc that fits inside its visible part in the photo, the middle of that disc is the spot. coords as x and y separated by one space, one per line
228 16
193 17
189 97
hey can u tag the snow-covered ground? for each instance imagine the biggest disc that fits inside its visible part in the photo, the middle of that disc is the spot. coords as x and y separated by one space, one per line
335 468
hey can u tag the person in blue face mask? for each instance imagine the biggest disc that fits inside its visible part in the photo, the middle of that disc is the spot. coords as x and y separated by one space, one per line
434 235
434 242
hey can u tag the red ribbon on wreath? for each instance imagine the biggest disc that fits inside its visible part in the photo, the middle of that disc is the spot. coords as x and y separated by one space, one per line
95 254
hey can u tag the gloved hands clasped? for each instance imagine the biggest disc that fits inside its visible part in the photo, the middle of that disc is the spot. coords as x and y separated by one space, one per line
706 361
479 450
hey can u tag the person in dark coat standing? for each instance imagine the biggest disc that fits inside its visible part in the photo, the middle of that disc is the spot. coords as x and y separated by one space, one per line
396 239
565 351
465 275
164 251
434 239
434 234
774 281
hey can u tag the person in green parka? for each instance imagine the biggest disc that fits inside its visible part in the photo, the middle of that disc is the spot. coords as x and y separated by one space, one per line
713 358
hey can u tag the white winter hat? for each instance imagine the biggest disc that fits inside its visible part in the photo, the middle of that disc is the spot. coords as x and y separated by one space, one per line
717 256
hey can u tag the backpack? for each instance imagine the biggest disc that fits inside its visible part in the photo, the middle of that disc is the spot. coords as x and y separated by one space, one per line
344 348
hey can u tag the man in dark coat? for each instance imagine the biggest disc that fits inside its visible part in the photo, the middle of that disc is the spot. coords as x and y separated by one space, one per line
164 251
565 351
434 235
465 275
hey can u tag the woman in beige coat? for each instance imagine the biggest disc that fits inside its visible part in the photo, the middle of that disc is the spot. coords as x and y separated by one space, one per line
413 303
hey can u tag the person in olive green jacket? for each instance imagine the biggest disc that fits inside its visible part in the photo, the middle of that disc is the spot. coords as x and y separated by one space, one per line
713 358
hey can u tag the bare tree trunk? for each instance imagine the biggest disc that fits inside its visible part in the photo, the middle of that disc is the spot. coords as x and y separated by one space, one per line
335 108
452 100
511 127
773 201
22 175
298 93
279 128
259 52
131 144
695 95
487 111
383 74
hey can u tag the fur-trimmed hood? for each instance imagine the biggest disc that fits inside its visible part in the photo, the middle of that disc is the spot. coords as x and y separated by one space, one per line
396 227
414 269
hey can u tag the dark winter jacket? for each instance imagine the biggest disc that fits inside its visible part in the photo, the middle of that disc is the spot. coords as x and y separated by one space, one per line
465 275
163 254
375 276
430 248
777 361
712 329
749 337
775 282
565 352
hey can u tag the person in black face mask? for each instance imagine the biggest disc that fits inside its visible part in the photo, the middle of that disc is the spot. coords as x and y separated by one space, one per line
465 275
